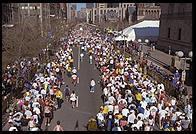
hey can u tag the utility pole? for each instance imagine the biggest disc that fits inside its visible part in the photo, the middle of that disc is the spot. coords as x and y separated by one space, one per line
19 13
49 16
28 10
41 19
78 57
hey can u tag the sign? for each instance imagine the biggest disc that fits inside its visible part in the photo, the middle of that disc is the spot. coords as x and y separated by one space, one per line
183 75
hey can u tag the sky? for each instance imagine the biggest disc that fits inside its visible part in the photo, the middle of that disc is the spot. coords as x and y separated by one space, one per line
79 5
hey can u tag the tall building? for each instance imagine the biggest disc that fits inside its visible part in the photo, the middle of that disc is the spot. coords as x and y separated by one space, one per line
68 8
54 9
176 27
148 11
10 13
101 5
112 5
89 5
110 11
73 12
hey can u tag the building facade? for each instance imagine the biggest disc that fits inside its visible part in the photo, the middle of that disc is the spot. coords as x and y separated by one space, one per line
176 27
151 11
68 9
126 11
110 11
73 12
10 13
89 5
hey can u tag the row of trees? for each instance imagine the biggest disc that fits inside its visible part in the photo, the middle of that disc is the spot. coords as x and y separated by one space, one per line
22 40
25 40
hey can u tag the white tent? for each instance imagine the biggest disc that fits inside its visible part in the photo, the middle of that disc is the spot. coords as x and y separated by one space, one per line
147 29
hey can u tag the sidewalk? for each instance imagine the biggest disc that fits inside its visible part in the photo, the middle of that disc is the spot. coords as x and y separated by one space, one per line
166 58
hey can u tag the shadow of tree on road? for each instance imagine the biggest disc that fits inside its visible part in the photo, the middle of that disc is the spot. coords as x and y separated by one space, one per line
76 125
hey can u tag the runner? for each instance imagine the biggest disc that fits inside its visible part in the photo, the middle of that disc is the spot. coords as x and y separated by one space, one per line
67 93
74 79
59 97
73 99
74 71
91 59
58 127
92 85
47 112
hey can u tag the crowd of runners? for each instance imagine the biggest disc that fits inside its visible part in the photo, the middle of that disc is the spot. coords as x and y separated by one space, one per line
132 101
44 94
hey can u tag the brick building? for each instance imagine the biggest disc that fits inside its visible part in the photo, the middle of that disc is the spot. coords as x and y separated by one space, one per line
176 27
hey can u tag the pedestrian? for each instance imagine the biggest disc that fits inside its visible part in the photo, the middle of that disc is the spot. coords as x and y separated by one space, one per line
58 127
92 85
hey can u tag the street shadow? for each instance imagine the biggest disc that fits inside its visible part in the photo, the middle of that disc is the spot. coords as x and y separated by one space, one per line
76 126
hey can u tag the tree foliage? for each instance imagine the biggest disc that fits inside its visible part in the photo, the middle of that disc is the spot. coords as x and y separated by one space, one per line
22 40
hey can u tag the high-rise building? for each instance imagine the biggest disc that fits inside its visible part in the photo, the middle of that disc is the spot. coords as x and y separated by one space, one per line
112 5
73 12
54 9
68 6
89 5
148 11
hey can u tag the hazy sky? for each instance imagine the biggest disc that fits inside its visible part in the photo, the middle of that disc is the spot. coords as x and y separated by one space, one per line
79 5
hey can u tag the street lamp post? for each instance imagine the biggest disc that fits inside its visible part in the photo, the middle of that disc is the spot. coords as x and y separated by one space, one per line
181 54
169 50
139 41
183 76
81 29
146 41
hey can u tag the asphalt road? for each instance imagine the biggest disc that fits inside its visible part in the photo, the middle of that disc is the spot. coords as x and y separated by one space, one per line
89 103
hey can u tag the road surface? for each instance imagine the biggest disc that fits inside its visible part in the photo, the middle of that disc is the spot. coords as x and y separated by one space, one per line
89 103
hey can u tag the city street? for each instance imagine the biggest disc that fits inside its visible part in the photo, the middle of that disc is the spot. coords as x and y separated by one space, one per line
97 67
89 103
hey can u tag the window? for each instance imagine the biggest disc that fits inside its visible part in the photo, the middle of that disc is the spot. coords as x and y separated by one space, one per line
179 34
168 33
101 11
171 8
